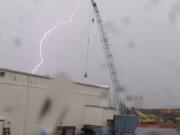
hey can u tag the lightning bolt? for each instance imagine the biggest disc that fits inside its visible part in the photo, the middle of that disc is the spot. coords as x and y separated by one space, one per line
47 33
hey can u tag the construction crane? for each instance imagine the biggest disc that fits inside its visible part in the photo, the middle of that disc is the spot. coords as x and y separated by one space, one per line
117 87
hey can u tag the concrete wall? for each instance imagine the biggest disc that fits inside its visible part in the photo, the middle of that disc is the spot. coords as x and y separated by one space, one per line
97 115
17 92
75 97
22 95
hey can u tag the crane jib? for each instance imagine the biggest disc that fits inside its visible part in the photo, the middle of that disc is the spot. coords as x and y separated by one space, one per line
110 61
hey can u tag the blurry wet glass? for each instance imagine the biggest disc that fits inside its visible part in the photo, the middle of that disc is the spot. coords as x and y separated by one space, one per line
45 108
126 21
17 41
131 45
174 15
111 27
154 2
103 66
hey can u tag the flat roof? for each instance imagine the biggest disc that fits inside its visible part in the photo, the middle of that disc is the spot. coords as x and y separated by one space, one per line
103 107
24 73
48 77
92 85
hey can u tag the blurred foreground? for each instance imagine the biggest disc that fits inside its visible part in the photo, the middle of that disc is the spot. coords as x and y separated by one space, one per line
156 131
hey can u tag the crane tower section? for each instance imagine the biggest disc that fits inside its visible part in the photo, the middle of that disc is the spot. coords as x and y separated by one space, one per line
117 87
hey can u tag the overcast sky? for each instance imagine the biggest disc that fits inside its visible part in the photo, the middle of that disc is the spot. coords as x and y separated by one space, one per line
144 37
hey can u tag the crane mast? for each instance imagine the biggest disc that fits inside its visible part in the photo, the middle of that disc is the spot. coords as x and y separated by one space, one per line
117 88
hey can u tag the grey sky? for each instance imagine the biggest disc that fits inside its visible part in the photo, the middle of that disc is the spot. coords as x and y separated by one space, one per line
144 36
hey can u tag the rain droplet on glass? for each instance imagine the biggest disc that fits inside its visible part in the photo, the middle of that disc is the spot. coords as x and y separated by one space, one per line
174 15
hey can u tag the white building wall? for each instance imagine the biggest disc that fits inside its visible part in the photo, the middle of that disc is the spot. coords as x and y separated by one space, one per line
97 115
76 96
17 93
22 95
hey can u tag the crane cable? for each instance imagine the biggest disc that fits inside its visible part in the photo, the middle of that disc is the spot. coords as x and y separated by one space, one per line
90 21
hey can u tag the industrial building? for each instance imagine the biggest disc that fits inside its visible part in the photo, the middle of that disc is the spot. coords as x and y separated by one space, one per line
23 94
